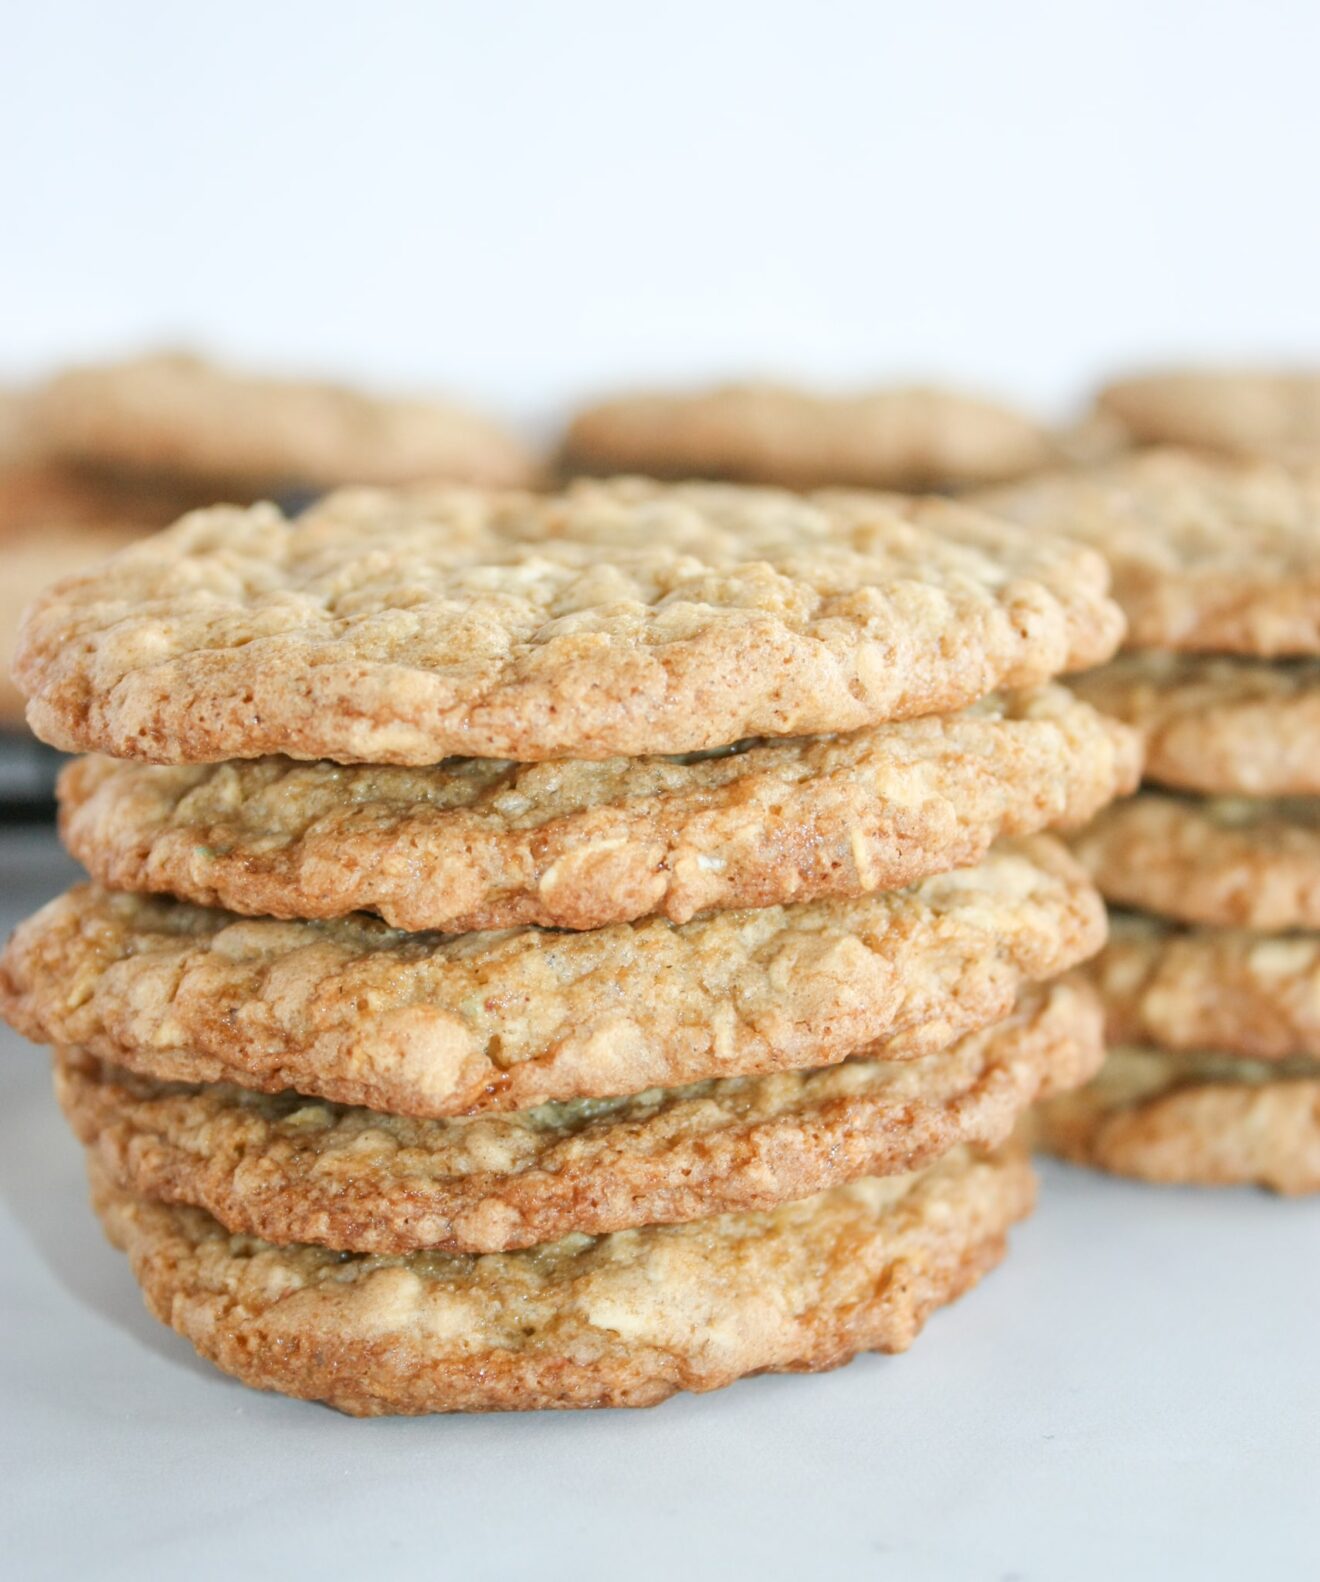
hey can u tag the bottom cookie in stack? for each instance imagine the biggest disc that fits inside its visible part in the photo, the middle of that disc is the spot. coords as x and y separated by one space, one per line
624 1319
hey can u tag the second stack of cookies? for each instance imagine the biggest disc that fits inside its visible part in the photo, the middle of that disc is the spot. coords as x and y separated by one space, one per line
1211 979
665 1035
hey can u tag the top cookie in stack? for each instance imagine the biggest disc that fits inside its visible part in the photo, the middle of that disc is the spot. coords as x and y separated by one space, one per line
590 1018
1210 992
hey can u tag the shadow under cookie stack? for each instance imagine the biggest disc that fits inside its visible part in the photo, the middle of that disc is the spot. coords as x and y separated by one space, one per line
1211 981
503 986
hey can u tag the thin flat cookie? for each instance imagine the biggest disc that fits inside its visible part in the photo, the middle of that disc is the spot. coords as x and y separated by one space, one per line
619 1320
1191 1120
1244 412
292 1169
1208 556
482 844
1222 727
179 416
617 619
760 433
435 1024
1232 862
1255 996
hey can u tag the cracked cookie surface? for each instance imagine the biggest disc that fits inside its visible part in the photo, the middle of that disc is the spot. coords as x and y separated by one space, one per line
434 1024
624 618
483 844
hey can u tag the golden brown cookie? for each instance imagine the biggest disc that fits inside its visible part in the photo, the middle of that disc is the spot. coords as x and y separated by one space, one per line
1198 1120
907 438
1208 556
619 1320
288 1168
1245 994
433 1024
243 435
481 844
1236 862
1243 412
1220 726
617 619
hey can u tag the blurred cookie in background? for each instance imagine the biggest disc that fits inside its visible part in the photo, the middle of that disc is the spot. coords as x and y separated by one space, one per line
912 438
1272 414
245 436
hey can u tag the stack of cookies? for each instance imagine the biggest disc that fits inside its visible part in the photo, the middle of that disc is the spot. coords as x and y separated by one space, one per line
558 950
1212 980
98 456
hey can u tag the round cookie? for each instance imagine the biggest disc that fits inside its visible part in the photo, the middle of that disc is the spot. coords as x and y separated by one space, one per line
1208 556
617 619
911 438
179 416
1217 726
1195 1120
1272 414
290 1169
619 1320
1254 996
432 1024
482 844
1235 862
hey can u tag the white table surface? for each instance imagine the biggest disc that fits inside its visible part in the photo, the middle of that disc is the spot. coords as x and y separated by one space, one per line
1135 1393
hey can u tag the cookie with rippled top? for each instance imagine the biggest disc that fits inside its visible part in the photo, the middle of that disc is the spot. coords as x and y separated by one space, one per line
1233 990
1192 1120
905 438
1272 413
482 844
241 435
1208 555
1220 726
625 618
1235 862
437 1024
292 1169
620 1320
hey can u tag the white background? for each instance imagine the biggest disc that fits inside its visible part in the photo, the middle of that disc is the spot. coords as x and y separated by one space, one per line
526 203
